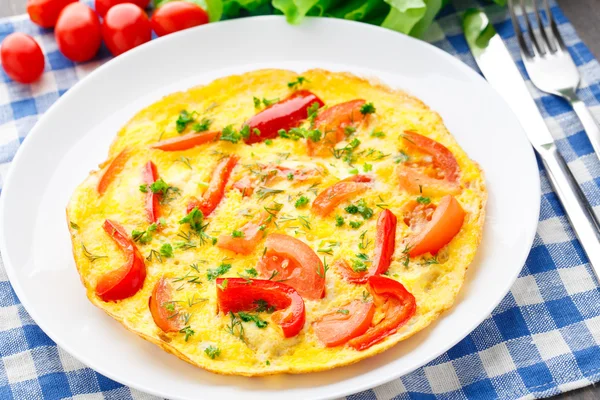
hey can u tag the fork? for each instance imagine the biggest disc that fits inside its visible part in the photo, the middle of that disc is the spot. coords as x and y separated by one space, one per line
550 66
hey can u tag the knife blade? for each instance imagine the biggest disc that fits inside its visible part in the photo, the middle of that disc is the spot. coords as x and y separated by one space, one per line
499 69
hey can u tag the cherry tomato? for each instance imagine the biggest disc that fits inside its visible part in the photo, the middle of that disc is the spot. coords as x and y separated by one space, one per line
163 308
329 198
251 234
435 173
216 188
77 32
293 261
385 244
150 175
397 304
115 166
445 223
176 16
238 294
125 26
22 58
286 114
102 6
185 142
345 323
125 281
45 12
333 123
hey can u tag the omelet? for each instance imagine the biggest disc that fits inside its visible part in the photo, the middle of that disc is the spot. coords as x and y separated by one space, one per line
276 222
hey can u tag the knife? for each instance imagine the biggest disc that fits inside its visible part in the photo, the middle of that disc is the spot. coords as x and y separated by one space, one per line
497 66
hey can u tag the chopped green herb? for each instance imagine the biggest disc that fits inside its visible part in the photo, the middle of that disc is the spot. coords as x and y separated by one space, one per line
351 209
188 332
237 234
214 273
246 317
202 126
183 120
250 273
312 113
301 202
367 167
290 177
406 256
212 351
256 131
256 102
74 226
195 218
377 134
430 261
301 133
339 220
295 84
166 250
235 327
268 102
264 192
229 134
89 255
343 311
401 157
353 171
183 160
355 224
268 362
224 284
143 237
423 200
367 108
268 142
349 130
263 306
323 273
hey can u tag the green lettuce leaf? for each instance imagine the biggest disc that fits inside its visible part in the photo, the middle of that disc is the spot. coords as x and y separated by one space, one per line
294 10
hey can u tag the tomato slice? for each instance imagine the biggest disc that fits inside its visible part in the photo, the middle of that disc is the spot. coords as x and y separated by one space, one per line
239 294
216 189
187 141
162 307
436 173
150 176
125 281
345 189
114 168
396 302
347 322
445 223
285 114
385 244
333 122
252 233
292 261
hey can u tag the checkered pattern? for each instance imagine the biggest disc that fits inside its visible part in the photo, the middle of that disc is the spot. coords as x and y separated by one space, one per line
541 340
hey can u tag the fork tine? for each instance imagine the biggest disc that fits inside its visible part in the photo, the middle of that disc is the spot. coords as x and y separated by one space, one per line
536 47
549 39
525 51
554 27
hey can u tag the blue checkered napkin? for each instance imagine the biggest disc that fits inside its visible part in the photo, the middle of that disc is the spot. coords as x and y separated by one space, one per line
541 340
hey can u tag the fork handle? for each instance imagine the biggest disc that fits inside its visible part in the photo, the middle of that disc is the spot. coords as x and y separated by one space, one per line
590 125
578 210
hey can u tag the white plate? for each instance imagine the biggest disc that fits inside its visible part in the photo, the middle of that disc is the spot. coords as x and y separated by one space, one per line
74 135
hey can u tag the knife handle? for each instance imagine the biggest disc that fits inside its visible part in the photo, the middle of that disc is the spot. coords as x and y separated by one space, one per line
578 210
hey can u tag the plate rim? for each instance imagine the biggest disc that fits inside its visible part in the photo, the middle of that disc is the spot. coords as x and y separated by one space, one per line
23 148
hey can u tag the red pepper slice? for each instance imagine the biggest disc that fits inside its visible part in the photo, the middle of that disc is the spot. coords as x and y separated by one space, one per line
216 189
398 305
329 198
285 114
293 261
162 307
239 294
252 234
445 223
333 122
347 322
125 281
114 168
150 176
187 141
385 244
437 174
